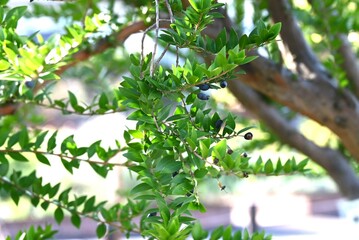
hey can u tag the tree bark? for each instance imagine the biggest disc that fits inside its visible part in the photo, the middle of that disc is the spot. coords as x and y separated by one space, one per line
334 108
338 168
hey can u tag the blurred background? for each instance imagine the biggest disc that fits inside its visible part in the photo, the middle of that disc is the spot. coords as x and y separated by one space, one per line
288 207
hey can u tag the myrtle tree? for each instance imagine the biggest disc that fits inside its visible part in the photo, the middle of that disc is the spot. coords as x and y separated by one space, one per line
180 138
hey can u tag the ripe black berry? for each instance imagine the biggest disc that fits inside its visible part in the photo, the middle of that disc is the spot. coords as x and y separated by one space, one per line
204 86
223 84
244 154
218 124
248 136
203 96
30 84
175 173
229 151
152 214
216 161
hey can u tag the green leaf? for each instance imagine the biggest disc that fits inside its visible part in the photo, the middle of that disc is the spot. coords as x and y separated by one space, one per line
4 165
164 113
13 16
40 139
13 140
220 149
76 220
204 149
101 170
141 188
198 233
67 165
45 205
51 144
73 100
91 150
139 115
268 167
4 65
133 156
89 205
59 215
23 138
68 144
3 136
217 233
17 156
279 167
15 196
248 59
42 159
301 165
287 166
237 234
168 165
101 230
200 173
233 39
177 117
227 234
194 4
258 166
103 101
274 30
230 125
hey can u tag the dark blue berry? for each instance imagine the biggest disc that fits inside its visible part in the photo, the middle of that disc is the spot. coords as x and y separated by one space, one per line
218 124
204 86
152 214
175 173
30 84
223 84
203 96
248 136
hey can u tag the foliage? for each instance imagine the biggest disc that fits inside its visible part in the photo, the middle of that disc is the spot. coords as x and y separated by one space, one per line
178 140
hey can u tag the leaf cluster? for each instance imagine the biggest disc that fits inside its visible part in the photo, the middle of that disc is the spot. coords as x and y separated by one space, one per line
178 142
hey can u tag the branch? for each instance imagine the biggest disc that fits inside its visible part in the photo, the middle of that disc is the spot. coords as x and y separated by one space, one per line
33 195
293 38
332 161
104 44
319 100
350 64
83 55
67 157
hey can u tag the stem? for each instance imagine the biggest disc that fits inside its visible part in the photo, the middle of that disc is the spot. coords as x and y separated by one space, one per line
104 163
156 37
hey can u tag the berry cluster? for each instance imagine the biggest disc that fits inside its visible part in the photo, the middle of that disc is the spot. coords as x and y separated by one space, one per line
206 86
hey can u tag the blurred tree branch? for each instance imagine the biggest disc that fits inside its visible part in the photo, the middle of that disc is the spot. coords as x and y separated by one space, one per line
349 62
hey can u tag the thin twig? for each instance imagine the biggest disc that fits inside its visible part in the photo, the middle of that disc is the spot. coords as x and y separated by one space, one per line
91 112
73 158
162 55
177 56
169 11
142 46
152 69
